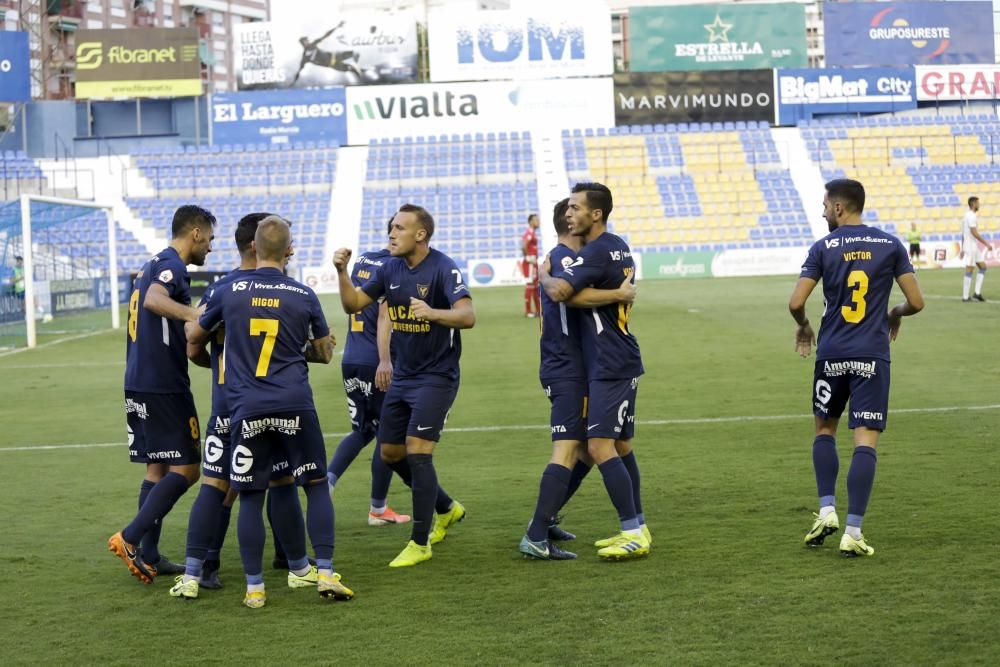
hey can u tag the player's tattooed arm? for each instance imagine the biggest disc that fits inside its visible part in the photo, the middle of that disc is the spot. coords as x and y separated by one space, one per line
591 297
461 315
557 289
320 350
158 302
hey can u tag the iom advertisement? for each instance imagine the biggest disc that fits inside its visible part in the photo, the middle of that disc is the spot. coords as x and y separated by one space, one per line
803 93
328 50
552 40
680 97
908 33
695 37
279 117
958 82
15 78
383 112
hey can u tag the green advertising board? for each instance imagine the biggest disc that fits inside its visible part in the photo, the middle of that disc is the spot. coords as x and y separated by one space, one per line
669 265
698 37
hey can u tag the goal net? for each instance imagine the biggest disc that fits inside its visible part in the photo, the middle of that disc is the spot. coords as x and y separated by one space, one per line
58 270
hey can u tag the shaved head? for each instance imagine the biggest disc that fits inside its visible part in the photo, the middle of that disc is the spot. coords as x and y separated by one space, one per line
273 239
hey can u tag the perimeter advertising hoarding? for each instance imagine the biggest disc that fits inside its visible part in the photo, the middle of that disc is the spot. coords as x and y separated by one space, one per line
699 37
15 77
381 112
803 93
553 40
318 51
908 33
279 117
678 97
152 62
958 82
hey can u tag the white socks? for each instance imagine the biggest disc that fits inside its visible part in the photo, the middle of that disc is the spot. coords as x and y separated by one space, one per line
979 282
826 509
966 284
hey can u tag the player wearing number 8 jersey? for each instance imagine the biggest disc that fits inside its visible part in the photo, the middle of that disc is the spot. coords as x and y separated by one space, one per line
857 265
161 419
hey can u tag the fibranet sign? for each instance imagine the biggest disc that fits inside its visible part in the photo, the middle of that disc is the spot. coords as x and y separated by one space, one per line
152 62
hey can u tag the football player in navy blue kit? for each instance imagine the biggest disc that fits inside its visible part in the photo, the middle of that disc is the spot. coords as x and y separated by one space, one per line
274 326
858 265
160 414
612 359
367 371
564 378
428 304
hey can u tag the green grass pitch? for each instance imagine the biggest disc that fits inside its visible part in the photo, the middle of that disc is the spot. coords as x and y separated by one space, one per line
723 440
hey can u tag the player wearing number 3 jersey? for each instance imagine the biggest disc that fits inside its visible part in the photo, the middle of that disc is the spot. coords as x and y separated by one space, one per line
857 265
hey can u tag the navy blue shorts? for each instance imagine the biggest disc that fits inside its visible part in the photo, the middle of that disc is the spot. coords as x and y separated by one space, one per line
215 463
568 417
611 409
162 428
864 381
364 400
415 410
286 443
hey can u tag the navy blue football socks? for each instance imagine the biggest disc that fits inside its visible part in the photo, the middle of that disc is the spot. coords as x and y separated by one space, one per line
827 466
203 524
404 468
287 524
225 516
425 492
319 520
619 486
860 478
346 452
158 503
579 471
551 493
381 478
250 531
633 473
150 543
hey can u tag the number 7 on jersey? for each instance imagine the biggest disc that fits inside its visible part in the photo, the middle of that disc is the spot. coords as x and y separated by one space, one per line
269 328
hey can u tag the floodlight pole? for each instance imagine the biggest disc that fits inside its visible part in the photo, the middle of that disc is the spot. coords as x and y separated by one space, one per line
29 271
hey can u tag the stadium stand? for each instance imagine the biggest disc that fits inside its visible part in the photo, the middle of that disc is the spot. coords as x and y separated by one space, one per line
18 173
917 168
469 183
689 187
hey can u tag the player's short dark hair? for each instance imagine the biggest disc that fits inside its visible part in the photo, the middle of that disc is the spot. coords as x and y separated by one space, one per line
18 258
849 191
598 197
189 216
973 200
559 217
388 227
532 215
246 228
425 219
272 238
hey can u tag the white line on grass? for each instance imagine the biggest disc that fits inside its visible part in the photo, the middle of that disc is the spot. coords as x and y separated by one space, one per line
54 342
75 364
538 427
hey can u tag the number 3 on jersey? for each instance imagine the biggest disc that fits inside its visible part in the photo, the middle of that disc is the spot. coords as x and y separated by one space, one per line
859 281
269 328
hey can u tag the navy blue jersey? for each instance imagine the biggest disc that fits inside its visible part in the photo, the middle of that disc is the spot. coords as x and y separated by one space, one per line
361 347
421 348
217 344
155 347
857 265
610 350
561 354
269 320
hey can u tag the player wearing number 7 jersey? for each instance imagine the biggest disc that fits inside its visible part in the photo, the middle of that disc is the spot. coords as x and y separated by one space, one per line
159 410
857 265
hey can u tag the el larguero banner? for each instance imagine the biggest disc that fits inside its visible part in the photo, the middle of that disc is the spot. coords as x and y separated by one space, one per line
696 96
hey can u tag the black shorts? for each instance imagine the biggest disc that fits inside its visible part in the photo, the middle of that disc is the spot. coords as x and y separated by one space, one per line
162 428
568 417
364 399
864 381
215 463
611 408
281 444
418 410
914 248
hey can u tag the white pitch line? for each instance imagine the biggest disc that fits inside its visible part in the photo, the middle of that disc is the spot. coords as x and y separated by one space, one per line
55 342
538 427
78 364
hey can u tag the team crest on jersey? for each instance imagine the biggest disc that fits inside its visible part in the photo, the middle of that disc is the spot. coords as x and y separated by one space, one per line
166 275
423 290
566 262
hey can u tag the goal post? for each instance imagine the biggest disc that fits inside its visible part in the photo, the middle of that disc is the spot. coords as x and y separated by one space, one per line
35 212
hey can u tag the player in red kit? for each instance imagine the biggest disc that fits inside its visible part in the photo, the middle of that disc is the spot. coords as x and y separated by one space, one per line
529 266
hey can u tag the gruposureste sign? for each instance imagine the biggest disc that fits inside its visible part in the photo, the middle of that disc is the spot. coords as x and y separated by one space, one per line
678 97
152 62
